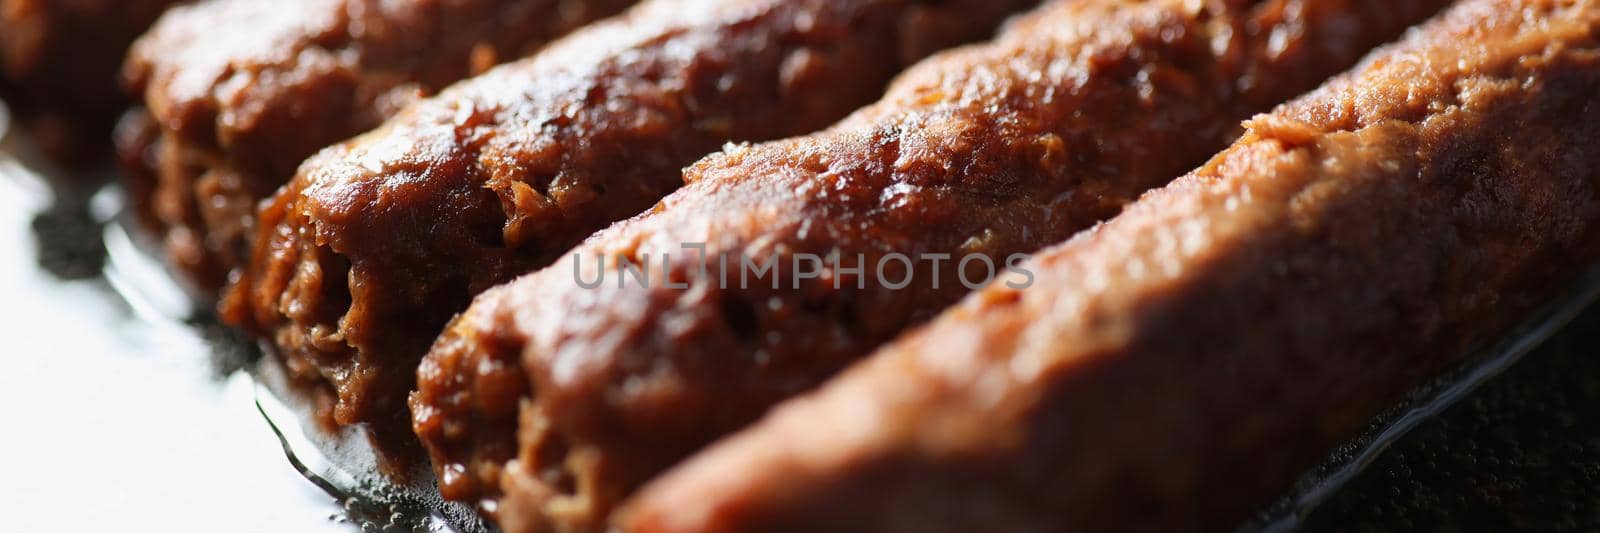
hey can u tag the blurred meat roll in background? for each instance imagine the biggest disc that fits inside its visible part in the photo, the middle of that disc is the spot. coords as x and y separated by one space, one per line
987 151
1177 367
377 242
58 69
236 93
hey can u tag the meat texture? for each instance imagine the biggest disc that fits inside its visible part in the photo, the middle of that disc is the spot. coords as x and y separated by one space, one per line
58 68
1180 365
237 93
986 152
377 242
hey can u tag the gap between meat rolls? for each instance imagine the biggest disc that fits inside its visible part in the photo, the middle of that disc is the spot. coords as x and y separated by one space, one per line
362 258
1177 367
988 151
236 93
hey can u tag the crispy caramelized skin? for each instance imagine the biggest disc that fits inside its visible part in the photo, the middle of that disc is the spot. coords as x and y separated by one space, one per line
1171 370
986 151
238 92
58 68
364 257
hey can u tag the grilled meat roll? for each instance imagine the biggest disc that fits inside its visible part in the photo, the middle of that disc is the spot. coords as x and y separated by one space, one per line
237 93
377 242
983 153
58 68
1176 367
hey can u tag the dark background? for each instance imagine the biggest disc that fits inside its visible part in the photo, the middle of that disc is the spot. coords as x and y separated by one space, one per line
1522 453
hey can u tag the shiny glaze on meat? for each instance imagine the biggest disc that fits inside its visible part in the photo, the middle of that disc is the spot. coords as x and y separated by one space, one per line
237 93
1182 364
993 150
364 257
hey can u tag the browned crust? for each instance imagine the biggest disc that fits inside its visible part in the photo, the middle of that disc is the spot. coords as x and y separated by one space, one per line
378 241
58 69
239 92
991 150
1174 368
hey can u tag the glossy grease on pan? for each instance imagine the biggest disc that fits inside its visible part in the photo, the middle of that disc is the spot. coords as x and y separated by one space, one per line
987 151
1176 367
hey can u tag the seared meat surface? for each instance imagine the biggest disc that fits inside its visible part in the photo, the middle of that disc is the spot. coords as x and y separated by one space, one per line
1182 364
984 152
362 259
236 93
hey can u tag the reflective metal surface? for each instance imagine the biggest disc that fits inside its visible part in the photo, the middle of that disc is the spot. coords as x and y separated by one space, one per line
112 422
